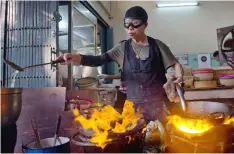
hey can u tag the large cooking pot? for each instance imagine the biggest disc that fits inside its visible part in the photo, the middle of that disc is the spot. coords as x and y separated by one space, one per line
87 83
11 103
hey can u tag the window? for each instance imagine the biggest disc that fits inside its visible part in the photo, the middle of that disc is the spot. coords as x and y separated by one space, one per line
85 38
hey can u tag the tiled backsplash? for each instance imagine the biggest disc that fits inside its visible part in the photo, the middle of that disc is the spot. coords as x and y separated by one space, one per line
193 61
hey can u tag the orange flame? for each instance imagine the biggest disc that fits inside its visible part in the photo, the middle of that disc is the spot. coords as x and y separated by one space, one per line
194 126
108 120
190 126
76 112
229 121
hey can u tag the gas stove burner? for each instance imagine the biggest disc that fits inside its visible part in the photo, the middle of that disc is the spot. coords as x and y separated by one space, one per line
89 132
216 140
217 133
181 145
120 145
129 141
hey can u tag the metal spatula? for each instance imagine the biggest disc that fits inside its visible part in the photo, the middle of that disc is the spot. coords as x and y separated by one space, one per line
17 67
12 65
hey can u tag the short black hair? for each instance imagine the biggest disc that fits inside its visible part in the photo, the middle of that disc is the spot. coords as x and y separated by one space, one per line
137 12
216 53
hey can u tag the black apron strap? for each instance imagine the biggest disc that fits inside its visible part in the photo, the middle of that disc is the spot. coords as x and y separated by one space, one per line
126 48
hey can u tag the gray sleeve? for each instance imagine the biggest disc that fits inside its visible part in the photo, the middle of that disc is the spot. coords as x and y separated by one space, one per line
167 56
117 53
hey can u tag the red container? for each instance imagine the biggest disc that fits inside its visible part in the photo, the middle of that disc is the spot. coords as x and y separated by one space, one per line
80 103
203 70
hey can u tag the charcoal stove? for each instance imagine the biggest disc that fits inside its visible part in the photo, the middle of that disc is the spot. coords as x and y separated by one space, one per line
129 142
219 139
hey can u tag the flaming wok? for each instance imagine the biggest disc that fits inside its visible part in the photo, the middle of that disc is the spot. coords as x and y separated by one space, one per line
195 117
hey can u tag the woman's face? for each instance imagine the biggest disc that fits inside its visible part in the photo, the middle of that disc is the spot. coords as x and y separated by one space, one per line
134 27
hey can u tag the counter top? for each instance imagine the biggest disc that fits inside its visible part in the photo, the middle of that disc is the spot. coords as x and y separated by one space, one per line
222 68
208 89
211 93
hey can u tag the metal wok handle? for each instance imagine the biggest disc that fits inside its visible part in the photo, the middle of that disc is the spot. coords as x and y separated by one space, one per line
216 115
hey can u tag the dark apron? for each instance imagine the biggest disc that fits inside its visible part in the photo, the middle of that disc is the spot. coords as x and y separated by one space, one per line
144 81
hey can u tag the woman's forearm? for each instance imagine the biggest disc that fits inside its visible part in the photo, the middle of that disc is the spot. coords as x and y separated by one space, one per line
116 76
89 60
95 61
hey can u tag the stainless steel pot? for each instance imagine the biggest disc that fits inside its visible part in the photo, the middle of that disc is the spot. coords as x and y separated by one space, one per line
11 103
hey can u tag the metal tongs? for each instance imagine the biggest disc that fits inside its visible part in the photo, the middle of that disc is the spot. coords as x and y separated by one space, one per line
35 129
181 96
56 137
18 68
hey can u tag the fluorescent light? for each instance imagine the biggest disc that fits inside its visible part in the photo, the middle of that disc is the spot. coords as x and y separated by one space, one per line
178 4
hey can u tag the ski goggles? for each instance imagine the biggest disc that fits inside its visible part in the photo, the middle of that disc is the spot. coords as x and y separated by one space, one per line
135 23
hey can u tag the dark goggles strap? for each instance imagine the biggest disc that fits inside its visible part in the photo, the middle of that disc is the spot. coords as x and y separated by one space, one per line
134 26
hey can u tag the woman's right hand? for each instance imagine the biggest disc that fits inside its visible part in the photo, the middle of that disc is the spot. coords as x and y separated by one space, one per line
102 76
69 58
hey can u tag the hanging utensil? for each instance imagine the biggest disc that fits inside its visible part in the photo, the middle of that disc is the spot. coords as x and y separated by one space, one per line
16 67
56 137
12 65
35 129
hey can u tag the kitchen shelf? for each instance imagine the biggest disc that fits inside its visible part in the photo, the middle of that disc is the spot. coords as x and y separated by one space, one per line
216 88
